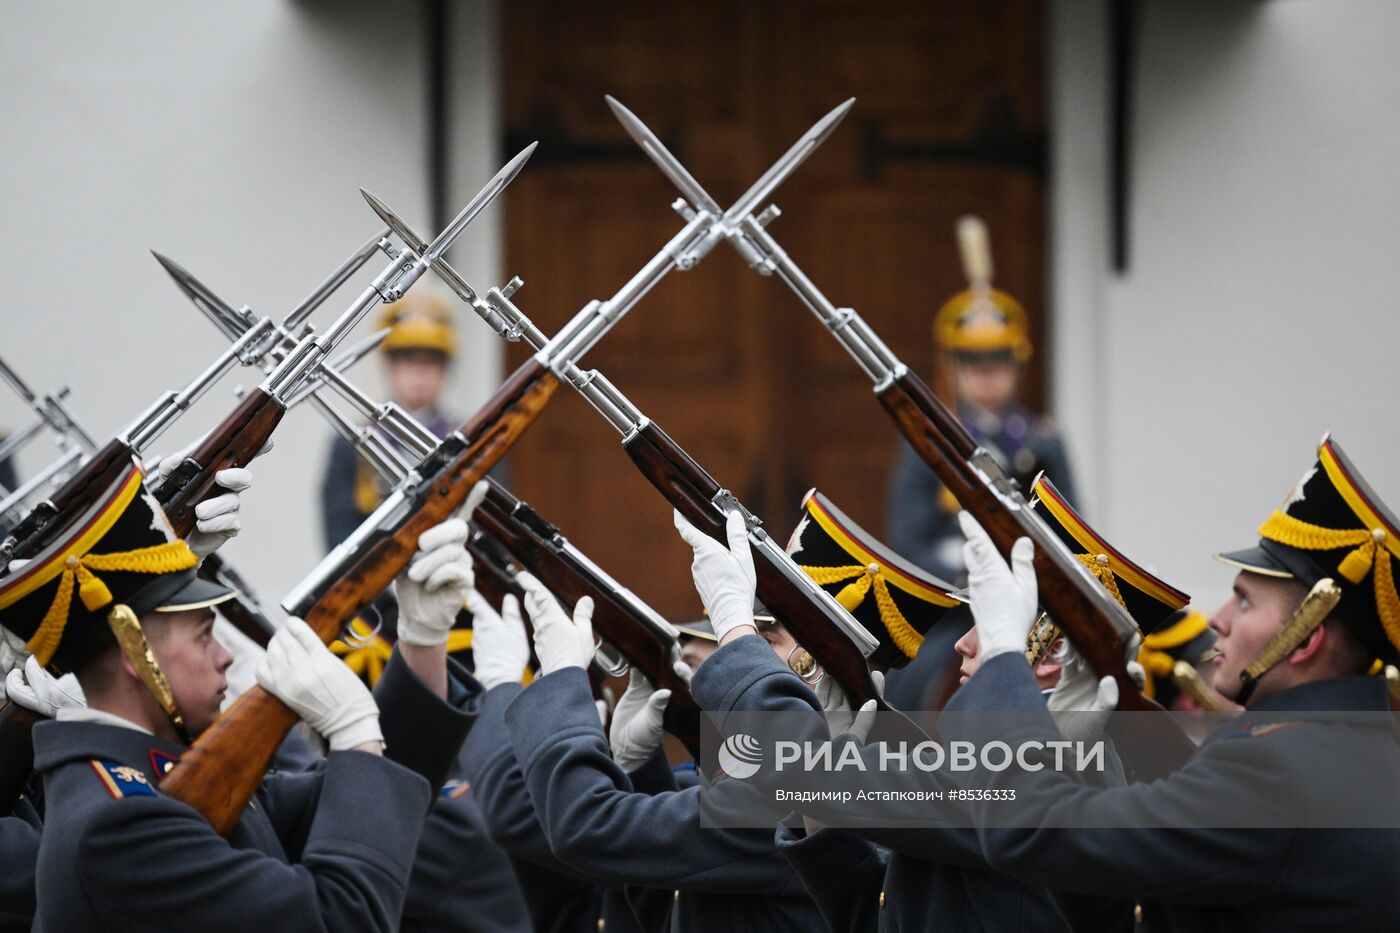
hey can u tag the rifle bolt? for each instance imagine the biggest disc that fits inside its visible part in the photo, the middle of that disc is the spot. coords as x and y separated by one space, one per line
512 286
770 214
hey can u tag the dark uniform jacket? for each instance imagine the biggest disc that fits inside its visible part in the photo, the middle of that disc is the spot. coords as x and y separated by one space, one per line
596 823
1216 878
325 849
930 879
559 899
461 881
19 853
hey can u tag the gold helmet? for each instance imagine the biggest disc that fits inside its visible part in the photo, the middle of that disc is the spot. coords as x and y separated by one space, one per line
981 319
420 320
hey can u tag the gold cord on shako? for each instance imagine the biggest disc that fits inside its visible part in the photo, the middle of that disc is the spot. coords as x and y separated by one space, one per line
1331 534
121 559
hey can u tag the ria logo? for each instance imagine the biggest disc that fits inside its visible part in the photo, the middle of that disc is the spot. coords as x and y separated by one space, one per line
740 756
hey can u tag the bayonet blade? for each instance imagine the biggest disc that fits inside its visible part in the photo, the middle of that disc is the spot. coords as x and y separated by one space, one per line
493 188
223 315
16 383
781 169
656 150
414 242
359 350
395 223
336 279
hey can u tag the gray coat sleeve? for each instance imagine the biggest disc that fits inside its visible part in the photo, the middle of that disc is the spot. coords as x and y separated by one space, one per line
19 851
422 731
155 863
558 899
597 824
842 872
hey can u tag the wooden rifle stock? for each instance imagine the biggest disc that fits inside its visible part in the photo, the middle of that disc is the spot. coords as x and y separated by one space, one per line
220 772
691 490
495 580
947 448
647 648
234 443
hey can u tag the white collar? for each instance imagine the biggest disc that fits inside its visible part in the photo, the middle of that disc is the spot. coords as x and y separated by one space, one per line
88 714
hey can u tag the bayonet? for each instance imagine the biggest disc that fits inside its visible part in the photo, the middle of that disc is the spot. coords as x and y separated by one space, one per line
332 283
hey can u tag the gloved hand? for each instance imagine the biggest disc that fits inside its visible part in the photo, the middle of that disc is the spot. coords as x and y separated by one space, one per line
35 689
724 576
560 642
13 652
636 724
499 644
300 671
216 519
1081 703
1003 598
840 715
434 587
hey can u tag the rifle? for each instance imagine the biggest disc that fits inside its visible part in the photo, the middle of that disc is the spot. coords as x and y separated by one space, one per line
235 441
646 640
505 526
52 412
1097 624
218 774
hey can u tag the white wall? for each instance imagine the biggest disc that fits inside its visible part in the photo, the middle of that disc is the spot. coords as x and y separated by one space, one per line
1260 306
232 138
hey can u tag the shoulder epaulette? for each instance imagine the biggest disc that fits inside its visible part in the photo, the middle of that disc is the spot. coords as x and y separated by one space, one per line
122 780
454 789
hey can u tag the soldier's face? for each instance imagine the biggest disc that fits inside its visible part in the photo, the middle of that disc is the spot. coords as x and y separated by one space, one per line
968 646
195 664
1257 609
694 651
988 383
416 378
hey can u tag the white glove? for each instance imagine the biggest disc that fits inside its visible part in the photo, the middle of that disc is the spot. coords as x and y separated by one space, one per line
724 576
35 689
300 671
1081 703
560 642
12 648
1003 598
216 519
840 715
435 585
636 724
499 644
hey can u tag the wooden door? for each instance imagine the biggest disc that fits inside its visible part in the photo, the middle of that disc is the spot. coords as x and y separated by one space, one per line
949 119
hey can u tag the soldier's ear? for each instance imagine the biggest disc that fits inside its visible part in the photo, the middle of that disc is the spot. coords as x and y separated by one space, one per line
1312 647
1047 667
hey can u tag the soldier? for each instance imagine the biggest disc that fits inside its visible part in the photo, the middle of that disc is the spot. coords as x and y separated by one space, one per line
417 358
29 686
116 601
983 332
610 810
1277 659
559 899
